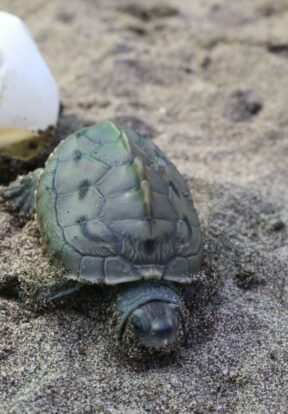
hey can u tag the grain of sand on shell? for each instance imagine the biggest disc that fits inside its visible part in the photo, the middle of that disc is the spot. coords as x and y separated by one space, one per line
209 81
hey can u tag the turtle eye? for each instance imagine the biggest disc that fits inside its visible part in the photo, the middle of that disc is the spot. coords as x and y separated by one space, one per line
139 326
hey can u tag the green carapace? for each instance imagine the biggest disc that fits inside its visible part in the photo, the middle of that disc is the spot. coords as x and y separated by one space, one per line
113 210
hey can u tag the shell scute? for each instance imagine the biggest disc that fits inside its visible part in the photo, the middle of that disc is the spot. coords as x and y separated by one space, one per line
157 182
114 154
143 229
92 269
67 151
128 204
118 180
91 238
176 266
70 206
118 270
101 134
161 209
71 174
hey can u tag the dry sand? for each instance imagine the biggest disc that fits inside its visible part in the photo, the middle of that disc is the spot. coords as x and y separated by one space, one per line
208 81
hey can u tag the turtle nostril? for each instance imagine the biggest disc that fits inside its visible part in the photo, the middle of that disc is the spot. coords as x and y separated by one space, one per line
162 328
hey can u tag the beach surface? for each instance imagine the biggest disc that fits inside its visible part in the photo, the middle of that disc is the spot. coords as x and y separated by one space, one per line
207 82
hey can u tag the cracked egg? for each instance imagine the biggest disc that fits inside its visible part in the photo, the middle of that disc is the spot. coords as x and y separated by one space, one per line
29 98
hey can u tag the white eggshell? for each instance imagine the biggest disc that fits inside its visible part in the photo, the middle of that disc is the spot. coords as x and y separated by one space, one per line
29 98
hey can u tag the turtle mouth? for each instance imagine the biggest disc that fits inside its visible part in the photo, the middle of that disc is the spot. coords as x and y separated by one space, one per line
160 337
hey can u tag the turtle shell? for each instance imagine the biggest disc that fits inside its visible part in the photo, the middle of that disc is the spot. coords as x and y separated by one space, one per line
113 209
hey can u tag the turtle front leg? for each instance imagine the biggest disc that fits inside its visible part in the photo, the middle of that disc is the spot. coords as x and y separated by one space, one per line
20 195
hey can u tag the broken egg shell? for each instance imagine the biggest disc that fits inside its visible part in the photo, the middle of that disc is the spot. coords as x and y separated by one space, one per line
29 97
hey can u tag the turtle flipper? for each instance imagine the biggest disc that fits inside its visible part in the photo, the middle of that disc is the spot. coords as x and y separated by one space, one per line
20 195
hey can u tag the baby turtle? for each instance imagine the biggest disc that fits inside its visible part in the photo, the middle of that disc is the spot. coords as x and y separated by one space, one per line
113 210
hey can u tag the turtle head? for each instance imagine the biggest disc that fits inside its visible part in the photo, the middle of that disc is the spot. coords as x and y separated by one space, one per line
149 316
155 324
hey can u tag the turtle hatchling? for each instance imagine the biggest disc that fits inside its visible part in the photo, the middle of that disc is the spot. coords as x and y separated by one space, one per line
113 210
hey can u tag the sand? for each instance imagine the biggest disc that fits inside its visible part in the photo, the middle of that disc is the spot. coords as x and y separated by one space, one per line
207 81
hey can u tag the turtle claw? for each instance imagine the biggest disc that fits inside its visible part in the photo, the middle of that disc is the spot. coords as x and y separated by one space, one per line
37 295
19 196
49 297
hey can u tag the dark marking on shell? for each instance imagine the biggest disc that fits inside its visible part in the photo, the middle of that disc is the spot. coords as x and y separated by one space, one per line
81 219
77 155
79 134
83 188
149 246
174 188
189 227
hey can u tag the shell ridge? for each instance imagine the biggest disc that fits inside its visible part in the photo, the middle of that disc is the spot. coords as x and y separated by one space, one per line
141 171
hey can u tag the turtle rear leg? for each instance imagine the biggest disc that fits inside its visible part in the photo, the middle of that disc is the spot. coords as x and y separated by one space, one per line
20 195
36 294
59 291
